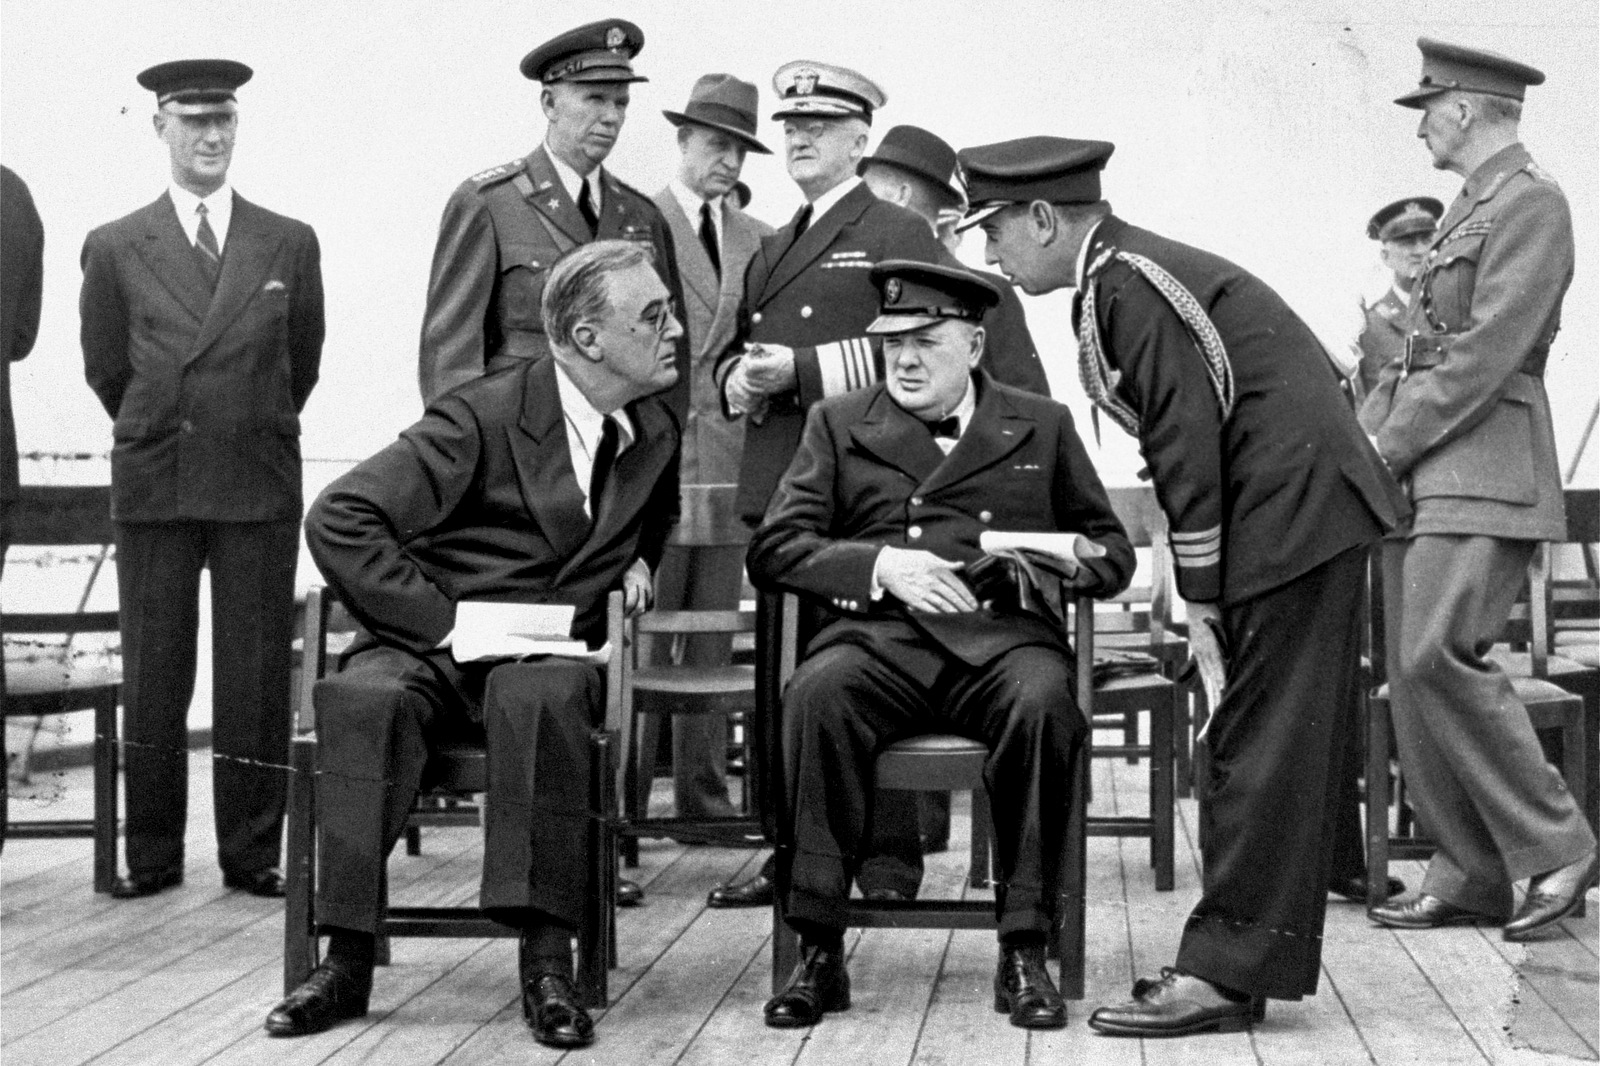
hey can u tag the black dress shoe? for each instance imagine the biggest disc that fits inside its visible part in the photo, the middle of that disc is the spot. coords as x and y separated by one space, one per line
818 985
267 883
758 891
1023 989
1354 888
331 994
550 1006
1178 1004
1426 912
883 895
629 894
1545 906
135 885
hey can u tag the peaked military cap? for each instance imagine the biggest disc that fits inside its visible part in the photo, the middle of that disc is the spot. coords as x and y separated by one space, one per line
1448 66
913 294
1415 214
914 149
195 81
723 102
598 51
1057 170
822 90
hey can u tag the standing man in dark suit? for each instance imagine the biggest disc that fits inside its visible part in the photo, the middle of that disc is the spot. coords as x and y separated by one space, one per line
553 482
1465 421
803 335
703 567
202 332
505 227
1272 497
879 515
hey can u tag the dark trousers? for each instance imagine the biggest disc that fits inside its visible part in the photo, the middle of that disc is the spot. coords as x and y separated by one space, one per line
1268 801
1477 775
845 703
252 617
380 716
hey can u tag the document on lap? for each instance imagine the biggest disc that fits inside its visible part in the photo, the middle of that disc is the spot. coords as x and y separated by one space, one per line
486 631
1070 548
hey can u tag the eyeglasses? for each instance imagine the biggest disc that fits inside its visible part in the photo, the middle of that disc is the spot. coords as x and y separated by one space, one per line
810 130
667 312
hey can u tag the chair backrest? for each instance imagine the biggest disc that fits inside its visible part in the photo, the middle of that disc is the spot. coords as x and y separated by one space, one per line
64 516
1578 600
1146 606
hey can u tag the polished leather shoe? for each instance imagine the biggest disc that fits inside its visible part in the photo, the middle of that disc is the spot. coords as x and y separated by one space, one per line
1354 888
1177 1004
331 994
550 1006
629 894
884 895
267 883
758 891
1426 912
135 885
818 985
1551 897
1023 989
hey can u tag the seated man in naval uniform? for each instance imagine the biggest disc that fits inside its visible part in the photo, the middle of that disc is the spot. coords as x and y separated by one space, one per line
879 516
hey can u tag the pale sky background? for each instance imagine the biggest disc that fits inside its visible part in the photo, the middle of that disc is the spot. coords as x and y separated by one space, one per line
1258 129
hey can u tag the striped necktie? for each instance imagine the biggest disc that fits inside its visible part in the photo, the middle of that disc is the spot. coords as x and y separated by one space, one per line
208 252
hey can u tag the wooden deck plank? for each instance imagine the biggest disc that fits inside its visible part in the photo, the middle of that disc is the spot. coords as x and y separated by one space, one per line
1561 972
734 1034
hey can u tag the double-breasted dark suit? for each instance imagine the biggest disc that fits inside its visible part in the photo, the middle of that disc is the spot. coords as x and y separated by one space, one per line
502 231
1271 510
869 475
477 501
205 389
21 291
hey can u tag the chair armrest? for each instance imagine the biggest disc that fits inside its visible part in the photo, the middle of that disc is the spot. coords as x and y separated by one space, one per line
313 656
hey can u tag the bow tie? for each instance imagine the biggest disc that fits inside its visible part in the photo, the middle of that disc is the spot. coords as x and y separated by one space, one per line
945 427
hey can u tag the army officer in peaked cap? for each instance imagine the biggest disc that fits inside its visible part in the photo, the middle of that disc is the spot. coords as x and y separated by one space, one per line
1403 230
1273 497
202 329
1465 422
505 227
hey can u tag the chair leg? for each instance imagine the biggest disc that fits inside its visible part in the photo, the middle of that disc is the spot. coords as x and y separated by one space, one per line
299 932
413 840
1071 936
596 930
1130 734
381 953
1161 798
1377 800
105 794
1574 767
1181 750
785 943
982 825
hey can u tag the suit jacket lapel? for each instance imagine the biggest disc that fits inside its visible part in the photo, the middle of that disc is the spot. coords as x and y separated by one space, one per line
996 430
170 257
549 197
247 258
540 452
814 241
694 266
897 439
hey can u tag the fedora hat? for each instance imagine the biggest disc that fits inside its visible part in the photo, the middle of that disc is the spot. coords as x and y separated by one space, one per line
924 154
722 102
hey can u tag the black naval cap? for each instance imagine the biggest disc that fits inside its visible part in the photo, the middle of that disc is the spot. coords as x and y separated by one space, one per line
1415 214
913 294
599 51
195 81
1447 66
1057 170
926 155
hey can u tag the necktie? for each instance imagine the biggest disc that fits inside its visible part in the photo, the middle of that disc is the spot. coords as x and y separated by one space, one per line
946 427
209 254
605 458
801 221
586 208
708 237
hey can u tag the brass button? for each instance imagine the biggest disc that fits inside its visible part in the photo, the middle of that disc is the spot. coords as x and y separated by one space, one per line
985 516
187 426
914 532
805 312
916 501
756 317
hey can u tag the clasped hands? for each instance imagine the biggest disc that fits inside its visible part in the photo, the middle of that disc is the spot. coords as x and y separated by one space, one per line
763 371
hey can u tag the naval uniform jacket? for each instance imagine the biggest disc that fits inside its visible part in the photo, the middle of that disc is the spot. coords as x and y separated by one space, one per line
712 444
205 388
1284 484
1466 421
868 474
478 500
502 231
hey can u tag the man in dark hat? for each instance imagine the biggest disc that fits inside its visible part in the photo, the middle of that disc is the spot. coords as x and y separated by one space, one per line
703 567
879 517
1403 230
504 228
802 334
1273 498
1464 420
202 334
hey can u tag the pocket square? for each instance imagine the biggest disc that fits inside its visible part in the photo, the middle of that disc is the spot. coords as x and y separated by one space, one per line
274 286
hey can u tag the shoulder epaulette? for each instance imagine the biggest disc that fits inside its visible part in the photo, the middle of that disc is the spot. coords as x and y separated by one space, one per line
1106 255
484 178
1538 173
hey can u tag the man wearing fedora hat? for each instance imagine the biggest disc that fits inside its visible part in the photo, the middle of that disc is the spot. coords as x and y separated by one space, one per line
505 227
703 564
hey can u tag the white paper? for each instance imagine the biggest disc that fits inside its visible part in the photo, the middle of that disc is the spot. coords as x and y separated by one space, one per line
1070 547
488 631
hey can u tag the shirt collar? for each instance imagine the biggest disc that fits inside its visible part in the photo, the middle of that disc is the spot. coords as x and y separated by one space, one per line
585 417
824 203
1083 253
571 181
967 405
691 202
219 210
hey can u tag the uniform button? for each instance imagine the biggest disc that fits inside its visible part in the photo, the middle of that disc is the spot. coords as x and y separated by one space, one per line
805 312
914 532
692 416
985 516
916 501
534 263
756 317
187 426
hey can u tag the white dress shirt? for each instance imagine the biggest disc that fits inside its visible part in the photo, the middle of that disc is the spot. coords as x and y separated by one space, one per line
584 426
219 209
571 181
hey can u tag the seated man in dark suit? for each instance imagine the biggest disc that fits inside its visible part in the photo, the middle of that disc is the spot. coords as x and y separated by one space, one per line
880 514
554 481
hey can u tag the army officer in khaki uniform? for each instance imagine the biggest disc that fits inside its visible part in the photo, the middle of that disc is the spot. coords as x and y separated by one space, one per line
505 227
1403 230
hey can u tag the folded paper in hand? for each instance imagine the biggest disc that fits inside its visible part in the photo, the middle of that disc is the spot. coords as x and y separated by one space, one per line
1070 548
488 631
